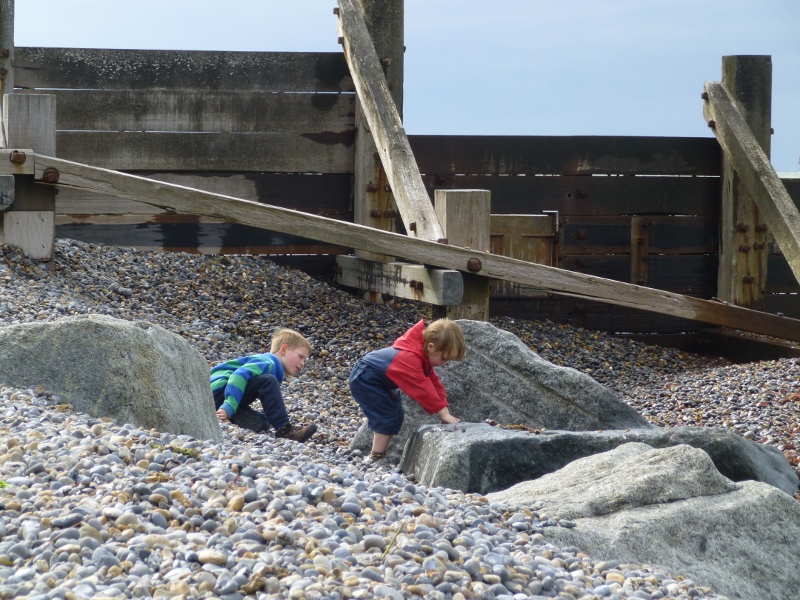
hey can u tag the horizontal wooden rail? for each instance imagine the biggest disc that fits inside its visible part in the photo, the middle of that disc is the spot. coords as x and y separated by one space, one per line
89 68
549 279
202 111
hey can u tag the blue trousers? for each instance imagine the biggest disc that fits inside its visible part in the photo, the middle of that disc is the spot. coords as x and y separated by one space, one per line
382 407
267 389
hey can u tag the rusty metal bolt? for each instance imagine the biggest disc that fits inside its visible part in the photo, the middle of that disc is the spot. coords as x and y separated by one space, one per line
17 157
389 214
371 187
50 175
386 62
474 265
772 131
442 240
416 285
758 246
412 226
712 123
742 227
704 95
340 40
744 248
336 10
375 213
747 279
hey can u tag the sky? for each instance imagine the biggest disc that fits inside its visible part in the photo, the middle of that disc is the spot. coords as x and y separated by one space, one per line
508 67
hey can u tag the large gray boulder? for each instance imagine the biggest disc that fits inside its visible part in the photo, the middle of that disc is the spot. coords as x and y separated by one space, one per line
133 372
476 457
669 509
501 379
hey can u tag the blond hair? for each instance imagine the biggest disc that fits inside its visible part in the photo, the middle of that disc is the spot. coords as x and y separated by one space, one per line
446 337
291 338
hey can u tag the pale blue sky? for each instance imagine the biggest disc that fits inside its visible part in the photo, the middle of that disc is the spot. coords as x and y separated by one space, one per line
509 67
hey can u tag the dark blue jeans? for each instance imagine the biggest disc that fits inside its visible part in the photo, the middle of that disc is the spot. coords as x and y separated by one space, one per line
267 389
383 408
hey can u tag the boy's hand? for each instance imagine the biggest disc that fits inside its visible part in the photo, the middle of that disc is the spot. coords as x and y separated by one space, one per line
221 414
446 417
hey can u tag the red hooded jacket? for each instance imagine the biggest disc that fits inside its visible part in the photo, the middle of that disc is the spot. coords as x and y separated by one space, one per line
405 366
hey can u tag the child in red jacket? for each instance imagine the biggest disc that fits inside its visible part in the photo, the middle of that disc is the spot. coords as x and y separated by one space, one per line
407 365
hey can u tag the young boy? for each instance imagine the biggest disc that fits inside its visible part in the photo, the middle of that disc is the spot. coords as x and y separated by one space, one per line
237 383
408 365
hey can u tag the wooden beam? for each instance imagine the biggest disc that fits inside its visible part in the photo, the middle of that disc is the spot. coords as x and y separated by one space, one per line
187 200
742 275
756 171
440 287
384 122
111 69
373 204
195 111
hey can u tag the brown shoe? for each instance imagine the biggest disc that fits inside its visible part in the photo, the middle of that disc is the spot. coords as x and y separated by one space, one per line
295 433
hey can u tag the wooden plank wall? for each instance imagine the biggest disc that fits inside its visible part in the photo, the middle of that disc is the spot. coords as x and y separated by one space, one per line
279 128
271 127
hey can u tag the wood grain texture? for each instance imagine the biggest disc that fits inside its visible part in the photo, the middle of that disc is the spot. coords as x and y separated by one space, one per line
259 152
203 111
566 155
89 68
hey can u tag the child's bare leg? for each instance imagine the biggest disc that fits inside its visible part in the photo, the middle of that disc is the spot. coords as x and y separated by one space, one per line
380 441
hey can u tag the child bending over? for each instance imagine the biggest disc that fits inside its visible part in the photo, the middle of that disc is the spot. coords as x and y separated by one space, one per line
407 365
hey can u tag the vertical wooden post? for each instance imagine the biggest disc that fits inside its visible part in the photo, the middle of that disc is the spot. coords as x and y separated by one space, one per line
465 218
372 198
742 274
30 123
640 249
6 57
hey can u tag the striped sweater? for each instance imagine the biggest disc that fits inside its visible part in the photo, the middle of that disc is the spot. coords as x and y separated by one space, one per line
234 374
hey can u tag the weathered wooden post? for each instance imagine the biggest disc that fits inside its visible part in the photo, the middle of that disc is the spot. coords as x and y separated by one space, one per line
742 275
372 196
6 54
29 122
465 218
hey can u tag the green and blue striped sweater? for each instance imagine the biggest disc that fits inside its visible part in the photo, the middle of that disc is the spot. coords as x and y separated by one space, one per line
234 374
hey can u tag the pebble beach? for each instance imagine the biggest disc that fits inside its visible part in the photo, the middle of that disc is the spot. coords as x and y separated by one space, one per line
93 508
